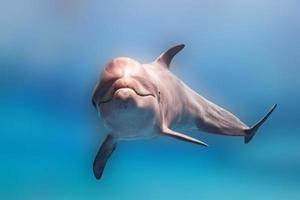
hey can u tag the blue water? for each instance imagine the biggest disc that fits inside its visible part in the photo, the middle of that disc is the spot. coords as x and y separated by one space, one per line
243 55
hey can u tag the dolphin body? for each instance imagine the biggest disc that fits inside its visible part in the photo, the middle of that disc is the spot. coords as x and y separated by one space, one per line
138 101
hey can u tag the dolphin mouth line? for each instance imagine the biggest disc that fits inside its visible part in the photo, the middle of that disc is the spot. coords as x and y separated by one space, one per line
136 92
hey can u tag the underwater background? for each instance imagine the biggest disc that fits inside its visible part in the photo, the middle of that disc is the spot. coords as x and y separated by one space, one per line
242 55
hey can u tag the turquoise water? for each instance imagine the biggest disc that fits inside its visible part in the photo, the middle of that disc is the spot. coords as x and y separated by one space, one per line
243 55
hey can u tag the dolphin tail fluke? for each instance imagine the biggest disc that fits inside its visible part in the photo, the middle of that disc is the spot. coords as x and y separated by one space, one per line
251 131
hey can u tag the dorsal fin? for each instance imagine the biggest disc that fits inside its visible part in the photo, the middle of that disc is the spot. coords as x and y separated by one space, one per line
166 57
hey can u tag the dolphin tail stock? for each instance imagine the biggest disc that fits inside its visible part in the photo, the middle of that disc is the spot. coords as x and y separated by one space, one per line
177 135
251 131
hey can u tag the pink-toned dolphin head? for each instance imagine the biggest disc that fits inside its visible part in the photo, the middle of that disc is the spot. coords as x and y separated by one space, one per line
125 96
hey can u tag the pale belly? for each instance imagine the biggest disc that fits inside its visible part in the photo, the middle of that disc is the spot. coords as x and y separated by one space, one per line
129 123
134 134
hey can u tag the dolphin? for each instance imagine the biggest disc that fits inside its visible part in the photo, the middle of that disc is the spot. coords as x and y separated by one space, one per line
139 101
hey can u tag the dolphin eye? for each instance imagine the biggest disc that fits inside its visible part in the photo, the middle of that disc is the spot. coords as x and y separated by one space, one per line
158 96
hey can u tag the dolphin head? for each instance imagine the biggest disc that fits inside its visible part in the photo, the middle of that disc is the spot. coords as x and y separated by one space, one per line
126 96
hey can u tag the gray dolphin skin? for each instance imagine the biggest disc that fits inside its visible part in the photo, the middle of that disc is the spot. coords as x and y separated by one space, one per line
139 101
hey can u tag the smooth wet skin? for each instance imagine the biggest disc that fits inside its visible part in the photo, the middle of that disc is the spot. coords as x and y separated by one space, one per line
139 101
128 114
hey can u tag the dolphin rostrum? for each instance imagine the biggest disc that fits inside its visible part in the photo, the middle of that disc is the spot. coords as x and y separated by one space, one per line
147 100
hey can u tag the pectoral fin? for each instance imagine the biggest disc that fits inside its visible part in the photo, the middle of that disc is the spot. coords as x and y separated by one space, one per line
171 133
102 156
